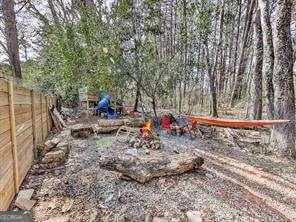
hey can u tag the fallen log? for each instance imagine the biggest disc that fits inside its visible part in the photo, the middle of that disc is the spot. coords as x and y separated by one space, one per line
106 130
135 122
59 117
111 122
56 122
144 168
81 131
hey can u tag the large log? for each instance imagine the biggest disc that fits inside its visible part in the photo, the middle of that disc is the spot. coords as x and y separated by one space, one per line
135 122
144 168
111 122
106 130
81 131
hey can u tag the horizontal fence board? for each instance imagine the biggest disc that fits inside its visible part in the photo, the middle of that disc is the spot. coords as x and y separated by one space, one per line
6 176
23 136
7 193
4 125
22 127
4 112
22 150
5 158
18 108
18 90
22 118
3 86
5 138
4 99
22 99
22 108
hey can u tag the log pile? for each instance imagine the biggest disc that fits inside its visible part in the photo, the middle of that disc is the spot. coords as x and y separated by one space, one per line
144 168
57 120
53 152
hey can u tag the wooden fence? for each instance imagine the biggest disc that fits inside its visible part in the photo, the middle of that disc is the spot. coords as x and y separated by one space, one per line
24 123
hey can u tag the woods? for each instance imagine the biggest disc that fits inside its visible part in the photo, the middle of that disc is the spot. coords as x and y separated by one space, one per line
190 56
148 110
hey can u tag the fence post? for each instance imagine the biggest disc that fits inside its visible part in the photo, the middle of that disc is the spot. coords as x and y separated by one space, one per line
46 111
13 137
41 104
33 111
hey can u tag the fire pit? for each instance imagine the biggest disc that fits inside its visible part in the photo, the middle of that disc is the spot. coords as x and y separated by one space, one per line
145 139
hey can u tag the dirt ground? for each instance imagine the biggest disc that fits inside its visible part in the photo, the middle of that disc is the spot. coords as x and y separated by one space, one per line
234 184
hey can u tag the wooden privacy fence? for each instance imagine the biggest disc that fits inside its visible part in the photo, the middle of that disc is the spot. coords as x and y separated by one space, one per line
24 123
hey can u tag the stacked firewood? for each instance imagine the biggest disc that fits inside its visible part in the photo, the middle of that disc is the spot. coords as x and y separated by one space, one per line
151 142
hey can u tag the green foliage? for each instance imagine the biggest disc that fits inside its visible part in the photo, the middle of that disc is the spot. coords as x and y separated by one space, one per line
78 55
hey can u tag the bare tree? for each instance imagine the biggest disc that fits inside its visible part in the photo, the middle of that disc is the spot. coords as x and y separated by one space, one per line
268 56
11 37
256 86
238 84
283 136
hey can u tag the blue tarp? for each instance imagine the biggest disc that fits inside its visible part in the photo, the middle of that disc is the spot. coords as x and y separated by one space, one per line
104 105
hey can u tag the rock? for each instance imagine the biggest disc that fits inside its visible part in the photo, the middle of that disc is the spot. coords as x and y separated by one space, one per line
148 218
55 155
210 176
123 177
146 167
67 205
132 152
194 216
50 165
176 151
49 144
160 219
25 204
23 200
93 215
58 219
64 146
81 131
109 198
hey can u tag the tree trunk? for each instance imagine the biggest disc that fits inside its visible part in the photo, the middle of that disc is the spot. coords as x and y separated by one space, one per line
237 42
256 86
219 40
154 106
138 94
238 84
268 56
283 136
11 37
214 111
53 12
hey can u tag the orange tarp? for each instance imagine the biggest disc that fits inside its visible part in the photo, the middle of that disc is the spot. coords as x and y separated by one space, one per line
233 123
